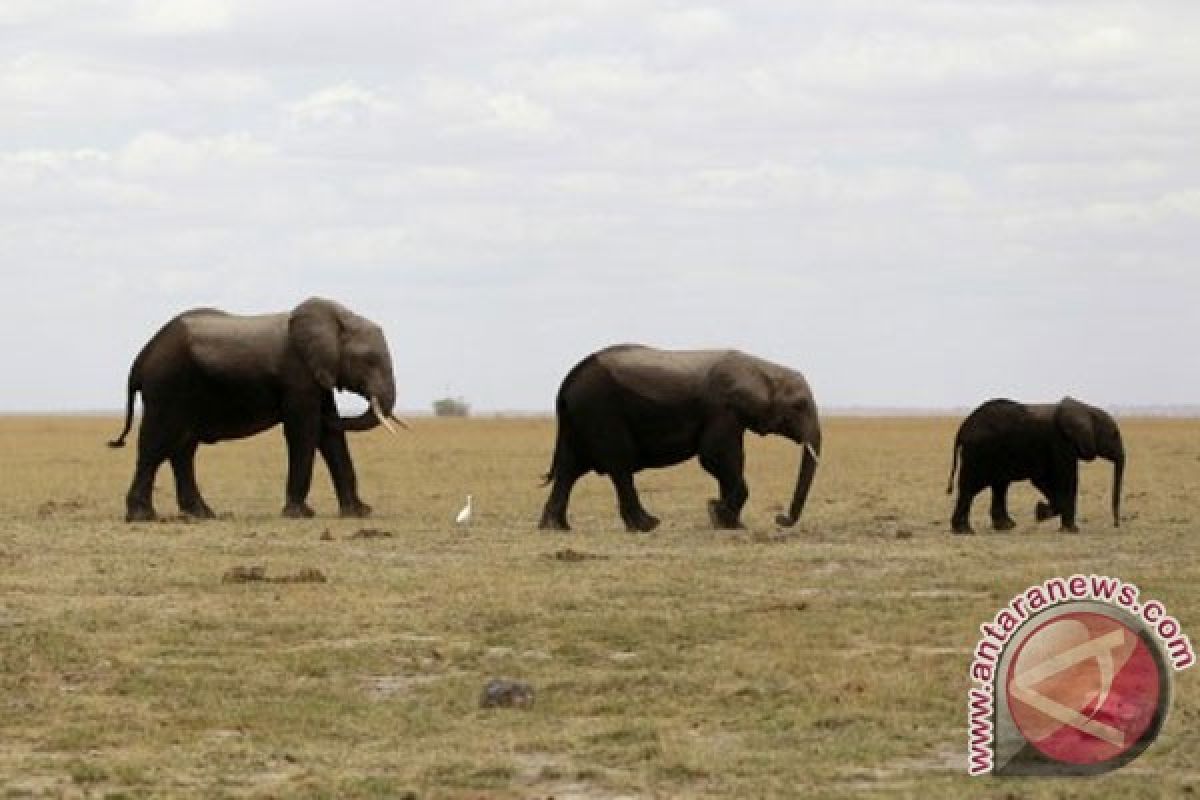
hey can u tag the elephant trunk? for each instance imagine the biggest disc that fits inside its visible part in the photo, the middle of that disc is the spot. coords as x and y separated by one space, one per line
809 456
1118 476
365 421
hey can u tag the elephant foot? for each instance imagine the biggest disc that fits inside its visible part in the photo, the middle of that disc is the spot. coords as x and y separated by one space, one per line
642 523
721 517
1072 528
198 510
553 522
964 530
1004 524
298 511
140 514
1044 511
357 509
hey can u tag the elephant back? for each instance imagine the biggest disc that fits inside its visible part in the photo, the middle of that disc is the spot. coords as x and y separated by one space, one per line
232 347
993 418
663 377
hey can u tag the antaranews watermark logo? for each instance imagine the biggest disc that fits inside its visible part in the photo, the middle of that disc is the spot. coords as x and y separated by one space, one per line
1073 677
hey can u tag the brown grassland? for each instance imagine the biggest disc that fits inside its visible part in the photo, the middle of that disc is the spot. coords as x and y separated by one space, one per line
688 663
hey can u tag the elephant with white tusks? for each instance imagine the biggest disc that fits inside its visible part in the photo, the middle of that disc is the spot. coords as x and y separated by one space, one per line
1003 441
629 407
207 376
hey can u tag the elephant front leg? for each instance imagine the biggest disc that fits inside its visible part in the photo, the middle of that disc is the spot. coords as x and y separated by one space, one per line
301 437
636 519
723 458
336 452
1067 497
1001 520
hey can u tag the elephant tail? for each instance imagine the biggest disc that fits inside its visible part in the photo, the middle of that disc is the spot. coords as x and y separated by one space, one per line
556 459
560 435
134 386
953 468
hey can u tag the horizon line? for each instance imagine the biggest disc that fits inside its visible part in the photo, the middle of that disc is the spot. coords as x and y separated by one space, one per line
1180 410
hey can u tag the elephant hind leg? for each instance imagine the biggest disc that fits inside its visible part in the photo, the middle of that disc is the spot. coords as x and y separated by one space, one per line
969 485
187 493
553 515
636 518
566 469
154 447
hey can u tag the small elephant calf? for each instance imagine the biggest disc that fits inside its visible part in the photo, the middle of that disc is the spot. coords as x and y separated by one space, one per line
1003 441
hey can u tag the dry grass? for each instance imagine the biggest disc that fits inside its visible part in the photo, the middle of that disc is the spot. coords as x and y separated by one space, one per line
687 663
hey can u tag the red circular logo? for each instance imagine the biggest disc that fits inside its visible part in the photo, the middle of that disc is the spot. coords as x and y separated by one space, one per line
1084 688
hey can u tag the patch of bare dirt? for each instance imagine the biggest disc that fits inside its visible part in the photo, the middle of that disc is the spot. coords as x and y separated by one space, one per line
306 575
370 533
251 574
556 778
384 686
241 574
574 556
771 608
53 508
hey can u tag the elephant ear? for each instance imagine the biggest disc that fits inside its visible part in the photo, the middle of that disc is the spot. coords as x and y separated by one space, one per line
1074 419
314 329
747 390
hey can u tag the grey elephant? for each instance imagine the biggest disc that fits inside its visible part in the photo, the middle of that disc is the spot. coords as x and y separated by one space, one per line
630 407
208 376
1004 441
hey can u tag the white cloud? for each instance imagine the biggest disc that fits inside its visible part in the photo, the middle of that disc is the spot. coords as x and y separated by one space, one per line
516 113
345 104
159 154
695 24
225 86
915 176
45 83
179 17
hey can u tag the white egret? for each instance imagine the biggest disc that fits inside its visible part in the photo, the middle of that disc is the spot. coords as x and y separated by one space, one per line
464 516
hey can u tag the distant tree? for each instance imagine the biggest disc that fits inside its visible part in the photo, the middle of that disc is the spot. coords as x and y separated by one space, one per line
451 407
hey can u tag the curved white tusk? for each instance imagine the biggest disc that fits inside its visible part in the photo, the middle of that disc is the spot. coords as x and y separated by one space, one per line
400 422
812 451
379 415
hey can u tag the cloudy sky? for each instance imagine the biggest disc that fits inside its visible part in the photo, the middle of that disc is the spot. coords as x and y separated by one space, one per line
924 203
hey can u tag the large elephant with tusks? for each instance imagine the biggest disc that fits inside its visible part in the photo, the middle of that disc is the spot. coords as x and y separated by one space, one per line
629 407
208 376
